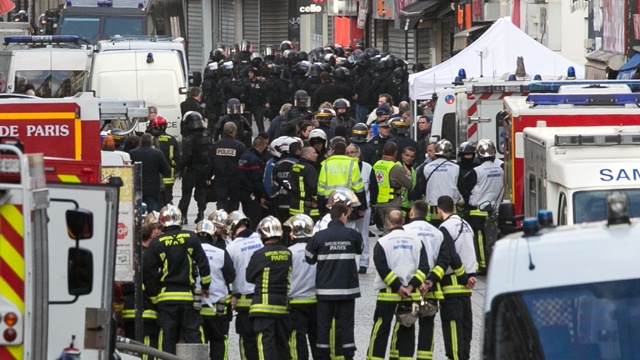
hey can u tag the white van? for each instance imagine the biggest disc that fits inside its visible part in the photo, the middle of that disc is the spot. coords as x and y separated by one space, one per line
149 69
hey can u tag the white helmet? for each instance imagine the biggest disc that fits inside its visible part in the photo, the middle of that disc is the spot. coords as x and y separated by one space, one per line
274 147
286 143
317 134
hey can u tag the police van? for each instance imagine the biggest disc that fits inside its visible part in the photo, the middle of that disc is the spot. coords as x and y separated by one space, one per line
571 292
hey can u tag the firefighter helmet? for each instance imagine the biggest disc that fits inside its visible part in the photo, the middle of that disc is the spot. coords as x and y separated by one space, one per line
205 227
301 99
398 126
194 120
486 149
218 218
159 122
359 133
234 107
443 148
269 228
317 135
234 220
344 196
170 215
301 226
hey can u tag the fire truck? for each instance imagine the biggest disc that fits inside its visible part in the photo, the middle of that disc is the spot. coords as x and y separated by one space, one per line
571 292
57 258
580 105
571 170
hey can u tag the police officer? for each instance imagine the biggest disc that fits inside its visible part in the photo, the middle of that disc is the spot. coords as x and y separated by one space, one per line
458 282
298 113
377 142
195 165
438 258
303 179
250 172
270 268
245 243
342 118
399 129
340 170
225 155
318 139
290 149
401 268
176 251
192 103
221 235
325 117
215 318
337 285
211 94
302 293
228 87
482 185
392 178
255 97
235 109
441 179
169 147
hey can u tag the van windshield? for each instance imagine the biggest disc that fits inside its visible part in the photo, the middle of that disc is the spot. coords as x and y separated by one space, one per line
590 205
123 26
581 322
57 83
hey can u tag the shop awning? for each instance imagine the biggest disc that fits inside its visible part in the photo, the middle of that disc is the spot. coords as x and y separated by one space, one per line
629 69
461 39
412 13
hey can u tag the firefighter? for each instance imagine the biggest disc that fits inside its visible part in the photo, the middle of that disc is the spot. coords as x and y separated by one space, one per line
466 161
303 179
482 185
270 268
399 129
195 165
441 178
245 243
250 172
392 178
221 236
340 170
215 318
225 155
290 149
458 282
438 258
337 285
302 293
401 268
235 109
176 251
169 147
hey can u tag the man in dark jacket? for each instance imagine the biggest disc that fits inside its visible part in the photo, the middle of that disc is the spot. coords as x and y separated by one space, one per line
303 179
225 155
334 250
191 104
154 167
250 172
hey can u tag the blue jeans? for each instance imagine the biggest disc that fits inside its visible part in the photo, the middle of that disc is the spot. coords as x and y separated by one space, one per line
362 112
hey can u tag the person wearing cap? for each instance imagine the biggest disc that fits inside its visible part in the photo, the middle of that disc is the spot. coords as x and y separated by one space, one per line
399 132
387 100
378 141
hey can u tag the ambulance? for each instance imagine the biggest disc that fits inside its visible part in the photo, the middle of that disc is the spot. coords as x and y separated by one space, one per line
569 292
579 106
570 170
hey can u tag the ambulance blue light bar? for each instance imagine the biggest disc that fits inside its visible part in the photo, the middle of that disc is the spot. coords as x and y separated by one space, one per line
554 86
598 139
41 39
584 99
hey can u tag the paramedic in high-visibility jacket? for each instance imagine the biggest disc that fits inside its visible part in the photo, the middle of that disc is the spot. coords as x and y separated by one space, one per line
175 252
342 171
392 178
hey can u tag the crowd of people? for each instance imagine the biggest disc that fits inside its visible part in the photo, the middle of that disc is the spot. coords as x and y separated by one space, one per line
310 187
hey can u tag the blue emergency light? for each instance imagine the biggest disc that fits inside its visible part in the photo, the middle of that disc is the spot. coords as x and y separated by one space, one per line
530 226
41 39
105 3
554 86
458 81
537 77
462 73
512 77
584 99
67 4
545 218
571 73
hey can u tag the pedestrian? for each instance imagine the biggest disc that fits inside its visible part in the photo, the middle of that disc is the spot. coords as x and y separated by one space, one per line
152 113
401 268
214 312
318 139
270 268
458 282
392 179
251 192
130 143
337 286
385 101
174 285
303 309
303 179
195 165
154 168
441 178
305 130
225 156
192 103
407 160
245 243
171 150
275 128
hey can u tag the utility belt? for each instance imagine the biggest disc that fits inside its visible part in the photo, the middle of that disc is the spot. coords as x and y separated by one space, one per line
388 295
219 309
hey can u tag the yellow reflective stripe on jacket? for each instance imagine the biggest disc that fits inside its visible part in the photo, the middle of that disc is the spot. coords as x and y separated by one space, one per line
243 302
390 296
438 271
381 169
269 309
306 301
455 288
420 276
460 271
175 296
390 278
146 314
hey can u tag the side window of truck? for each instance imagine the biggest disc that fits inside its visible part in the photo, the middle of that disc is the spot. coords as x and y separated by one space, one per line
532 191
449 127
562 210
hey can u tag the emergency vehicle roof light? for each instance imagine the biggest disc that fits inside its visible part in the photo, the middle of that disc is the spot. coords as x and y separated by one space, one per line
41 39
530 226
67 3
462 73
584 99
105 3
458 81
571 73
617 208
141 6
545 218
512 77
506 88
597 139
554 86
537 77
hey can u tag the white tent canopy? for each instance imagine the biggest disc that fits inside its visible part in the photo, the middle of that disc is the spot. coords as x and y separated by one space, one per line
505 42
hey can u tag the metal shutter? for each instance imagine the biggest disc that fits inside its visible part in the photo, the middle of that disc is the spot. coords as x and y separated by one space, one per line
398 45
448 30
227 23
422 45
378 30
195 43
251 23
274 23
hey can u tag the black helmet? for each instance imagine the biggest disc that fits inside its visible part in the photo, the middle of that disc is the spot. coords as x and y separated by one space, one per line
325 115
339 50
341 74
467 147
216 55
364 61
234 107
359 133
315 70
398 126
301 99
290 55
276 70
194 120
302 56
398 76
302 67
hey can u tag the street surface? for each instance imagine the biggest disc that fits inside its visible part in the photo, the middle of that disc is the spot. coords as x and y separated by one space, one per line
365 305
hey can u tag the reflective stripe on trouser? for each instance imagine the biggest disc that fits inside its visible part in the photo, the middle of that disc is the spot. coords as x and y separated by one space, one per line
343 312
304 321
477 224
425 337
175 316
403 339
272 337
244 329
216 333
457 326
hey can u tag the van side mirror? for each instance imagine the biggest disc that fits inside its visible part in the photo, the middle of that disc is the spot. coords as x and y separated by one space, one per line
79 224
195 79
79 271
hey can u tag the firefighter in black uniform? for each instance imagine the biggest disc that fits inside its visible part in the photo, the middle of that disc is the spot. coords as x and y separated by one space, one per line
169 147
225 155
337 284
195 164
176 251
303 179
269 268
399 129
235 109
250 173
290 155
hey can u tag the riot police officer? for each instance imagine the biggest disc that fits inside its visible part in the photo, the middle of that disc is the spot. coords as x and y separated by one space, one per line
235 109
297 114
342 118
399 129
225 155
